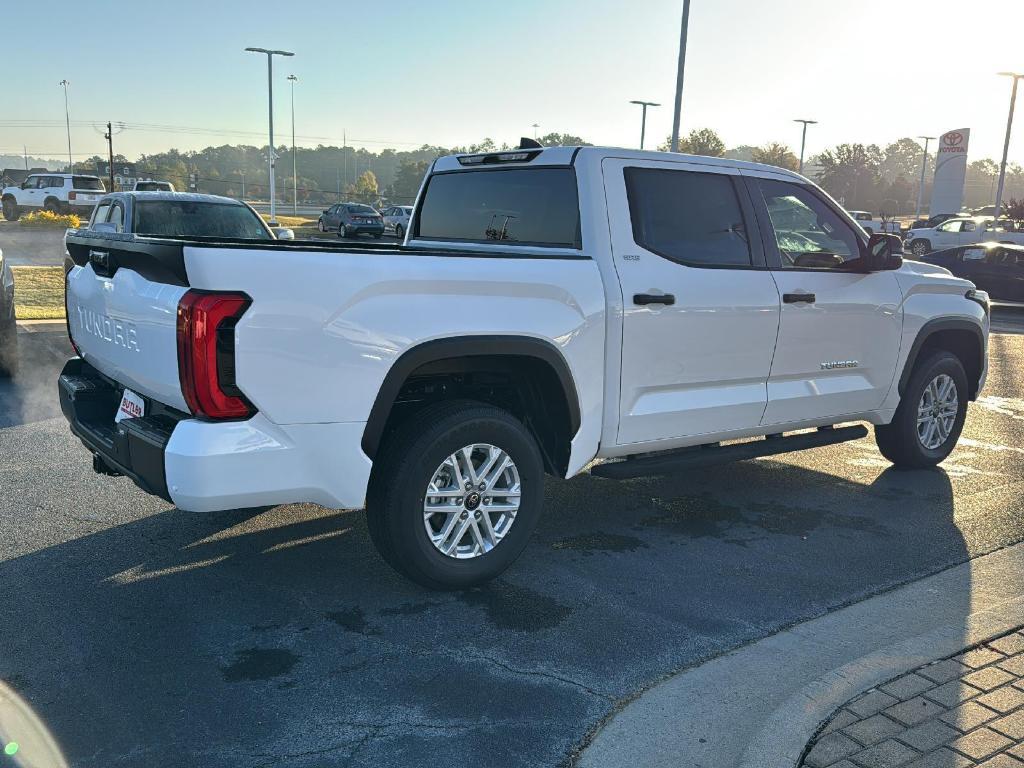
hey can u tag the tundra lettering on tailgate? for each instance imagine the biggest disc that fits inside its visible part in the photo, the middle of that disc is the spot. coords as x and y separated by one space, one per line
116 332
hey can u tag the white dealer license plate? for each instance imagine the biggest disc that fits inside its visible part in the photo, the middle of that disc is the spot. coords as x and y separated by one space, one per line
132 406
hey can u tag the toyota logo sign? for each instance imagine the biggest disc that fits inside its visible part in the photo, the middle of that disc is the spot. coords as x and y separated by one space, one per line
953 139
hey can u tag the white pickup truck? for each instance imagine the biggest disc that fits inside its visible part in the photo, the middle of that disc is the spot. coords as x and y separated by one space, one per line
549 308
872 224
954 233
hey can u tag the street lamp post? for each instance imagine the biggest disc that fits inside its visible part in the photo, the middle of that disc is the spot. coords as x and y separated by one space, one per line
535 126
67 121
643 119
803 140
270 108
1006 144
674 144
295 177
924 168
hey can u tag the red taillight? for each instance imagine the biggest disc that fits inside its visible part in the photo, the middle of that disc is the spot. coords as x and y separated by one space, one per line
72 196
206 354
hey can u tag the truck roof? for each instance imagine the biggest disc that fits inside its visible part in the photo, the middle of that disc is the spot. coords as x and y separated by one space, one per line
570 155
190 196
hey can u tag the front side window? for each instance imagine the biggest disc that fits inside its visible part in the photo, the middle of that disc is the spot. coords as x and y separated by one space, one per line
100 214
689 217
809 234
519 206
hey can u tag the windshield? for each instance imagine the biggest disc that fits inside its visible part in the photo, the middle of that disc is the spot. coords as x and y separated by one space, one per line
191 218
87 182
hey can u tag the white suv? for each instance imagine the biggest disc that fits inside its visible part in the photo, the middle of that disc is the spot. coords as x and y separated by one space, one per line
56 192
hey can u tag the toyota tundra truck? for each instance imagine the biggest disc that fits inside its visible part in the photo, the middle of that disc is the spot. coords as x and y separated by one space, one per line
552 311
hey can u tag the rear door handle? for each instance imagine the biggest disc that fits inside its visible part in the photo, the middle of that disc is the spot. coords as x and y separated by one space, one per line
798 298
643 299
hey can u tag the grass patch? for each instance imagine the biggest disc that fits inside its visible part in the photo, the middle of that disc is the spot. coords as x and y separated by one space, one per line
39 293
291 221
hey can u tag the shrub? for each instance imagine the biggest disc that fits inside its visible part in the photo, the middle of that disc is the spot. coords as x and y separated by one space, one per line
50 220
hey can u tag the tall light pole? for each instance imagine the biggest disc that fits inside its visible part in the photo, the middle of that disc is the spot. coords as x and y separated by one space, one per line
67 121
643 119
295 177
803 140
679 76
271 156
924 167
1006 144
535 127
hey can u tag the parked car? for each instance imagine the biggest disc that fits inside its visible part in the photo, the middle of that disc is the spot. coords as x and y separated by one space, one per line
396 219
871 224
152 186
993 267
956 232
934 221
351 220
56 192
990 210
8 326
181 214
552 307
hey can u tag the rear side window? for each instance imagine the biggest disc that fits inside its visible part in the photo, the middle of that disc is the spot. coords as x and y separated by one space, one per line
520 206
693 218
84 182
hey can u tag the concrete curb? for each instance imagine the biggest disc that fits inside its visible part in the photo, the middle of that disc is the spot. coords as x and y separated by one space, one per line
41 326
761 704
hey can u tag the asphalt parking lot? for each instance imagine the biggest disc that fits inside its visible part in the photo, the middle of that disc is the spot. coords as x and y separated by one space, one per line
146 636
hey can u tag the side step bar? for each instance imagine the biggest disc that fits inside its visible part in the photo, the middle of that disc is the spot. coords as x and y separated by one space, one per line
671 462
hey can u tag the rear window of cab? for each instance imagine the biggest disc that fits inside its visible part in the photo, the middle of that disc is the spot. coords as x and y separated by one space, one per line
513 206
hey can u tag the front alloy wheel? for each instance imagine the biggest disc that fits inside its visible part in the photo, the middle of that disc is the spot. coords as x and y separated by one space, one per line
919 247
937 411
471 501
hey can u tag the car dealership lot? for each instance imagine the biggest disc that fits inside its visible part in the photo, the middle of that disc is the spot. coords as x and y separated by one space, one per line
142 635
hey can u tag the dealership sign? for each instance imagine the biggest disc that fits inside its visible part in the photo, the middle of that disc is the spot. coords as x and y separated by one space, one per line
950 172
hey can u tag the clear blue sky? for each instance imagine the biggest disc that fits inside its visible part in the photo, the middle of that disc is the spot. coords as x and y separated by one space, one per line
404 72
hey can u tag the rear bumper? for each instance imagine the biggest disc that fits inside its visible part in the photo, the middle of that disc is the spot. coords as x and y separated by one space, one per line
204 466
365 229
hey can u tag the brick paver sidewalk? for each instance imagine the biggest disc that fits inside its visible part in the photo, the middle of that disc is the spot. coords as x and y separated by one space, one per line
967 710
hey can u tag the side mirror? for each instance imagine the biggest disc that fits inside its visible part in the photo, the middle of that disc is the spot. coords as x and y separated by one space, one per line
884 252
284 234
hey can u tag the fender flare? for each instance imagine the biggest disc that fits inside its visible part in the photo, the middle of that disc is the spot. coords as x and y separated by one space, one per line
461 347
932 327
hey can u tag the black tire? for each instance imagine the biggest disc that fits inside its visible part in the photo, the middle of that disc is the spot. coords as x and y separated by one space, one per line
400 232
920 247
403 470
52 205
342 232
8 351
899 441
10 209
320 224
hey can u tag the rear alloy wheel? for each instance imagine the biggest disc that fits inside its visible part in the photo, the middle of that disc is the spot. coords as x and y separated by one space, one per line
920 247
930 416
10 210
342 231
455 494
52 206
400 232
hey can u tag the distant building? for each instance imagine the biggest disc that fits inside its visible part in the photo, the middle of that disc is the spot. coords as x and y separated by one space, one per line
13 177
125 174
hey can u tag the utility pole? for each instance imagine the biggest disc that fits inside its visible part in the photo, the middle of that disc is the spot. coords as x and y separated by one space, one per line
109 136
25 149
535 127
679 76
295 176
803 140
924 167
344 155
1006 144
271 155
67 121
643 119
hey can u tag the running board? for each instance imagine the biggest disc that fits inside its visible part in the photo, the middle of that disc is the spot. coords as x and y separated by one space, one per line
703 456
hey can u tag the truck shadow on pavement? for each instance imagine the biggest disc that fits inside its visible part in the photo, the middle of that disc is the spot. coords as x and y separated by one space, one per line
259 637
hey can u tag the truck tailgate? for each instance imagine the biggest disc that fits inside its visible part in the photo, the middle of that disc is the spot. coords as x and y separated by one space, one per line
125 326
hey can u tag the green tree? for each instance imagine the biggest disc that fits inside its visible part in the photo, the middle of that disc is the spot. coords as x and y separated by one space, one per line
743 152
408 180
852 173
776 154
365 189
901 158
562 140
700 141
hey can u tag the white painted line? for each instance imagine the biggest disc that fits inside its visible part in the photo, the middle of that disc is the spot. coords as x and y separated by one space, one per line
759 705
